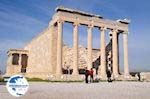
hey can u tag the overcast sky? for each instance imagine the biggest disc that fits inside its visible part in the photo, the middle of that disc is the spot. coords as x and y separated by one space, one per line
22 20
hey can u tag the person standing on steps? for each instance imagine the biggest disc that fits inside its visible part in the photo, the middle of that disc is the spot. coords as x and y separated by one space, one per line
109 76
86 75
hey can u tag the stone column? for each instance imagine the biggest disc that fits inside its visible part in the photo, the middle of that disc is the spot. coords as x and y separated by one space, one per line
20 59
125 46
75 49
103 54
59 48
115 53
10 67
118 53
89 61
17 68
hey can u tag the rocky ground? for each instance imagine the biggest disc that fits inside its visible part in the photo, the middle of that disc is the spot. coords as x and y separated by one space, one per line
102 90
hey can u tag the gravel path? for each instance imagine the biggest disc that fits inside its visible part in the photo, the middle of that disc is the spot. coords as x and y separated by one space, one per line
102 90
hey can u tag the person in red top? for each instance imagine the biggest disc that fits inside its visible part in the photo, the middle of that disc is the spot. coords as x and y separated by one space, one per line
91 74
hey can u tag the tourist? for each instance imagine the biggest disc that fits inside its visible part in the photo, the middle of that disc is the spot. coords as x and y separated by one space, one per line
86 75
91 74
139 77
109 76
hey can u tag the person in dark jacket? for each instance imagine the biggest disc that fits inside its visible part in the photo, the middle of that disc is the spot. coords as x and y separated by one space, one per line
109 76
86 75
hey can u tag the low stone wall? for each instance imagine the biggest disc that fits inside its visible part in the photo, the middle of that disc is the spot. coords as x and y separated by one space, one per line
53 77
123 78
145 76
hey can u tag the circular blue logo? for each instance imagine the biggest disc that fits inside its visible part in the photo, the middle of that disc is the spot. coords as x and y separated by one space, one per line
17 85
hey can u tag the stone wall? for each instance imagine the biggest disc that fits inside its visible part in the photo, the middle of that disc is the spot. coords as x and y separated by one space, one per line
39 53
145 76
68 56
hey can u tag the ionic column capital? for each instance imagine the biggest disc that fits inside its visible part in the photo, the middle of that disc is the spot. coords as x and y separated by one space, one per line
20 54
125 32
76 24
115 30
103 28
9 54
90 26
60 21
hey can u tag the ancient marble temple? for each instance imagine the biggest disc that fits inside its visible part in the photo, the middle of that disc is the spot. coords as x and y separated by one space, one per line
47 57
